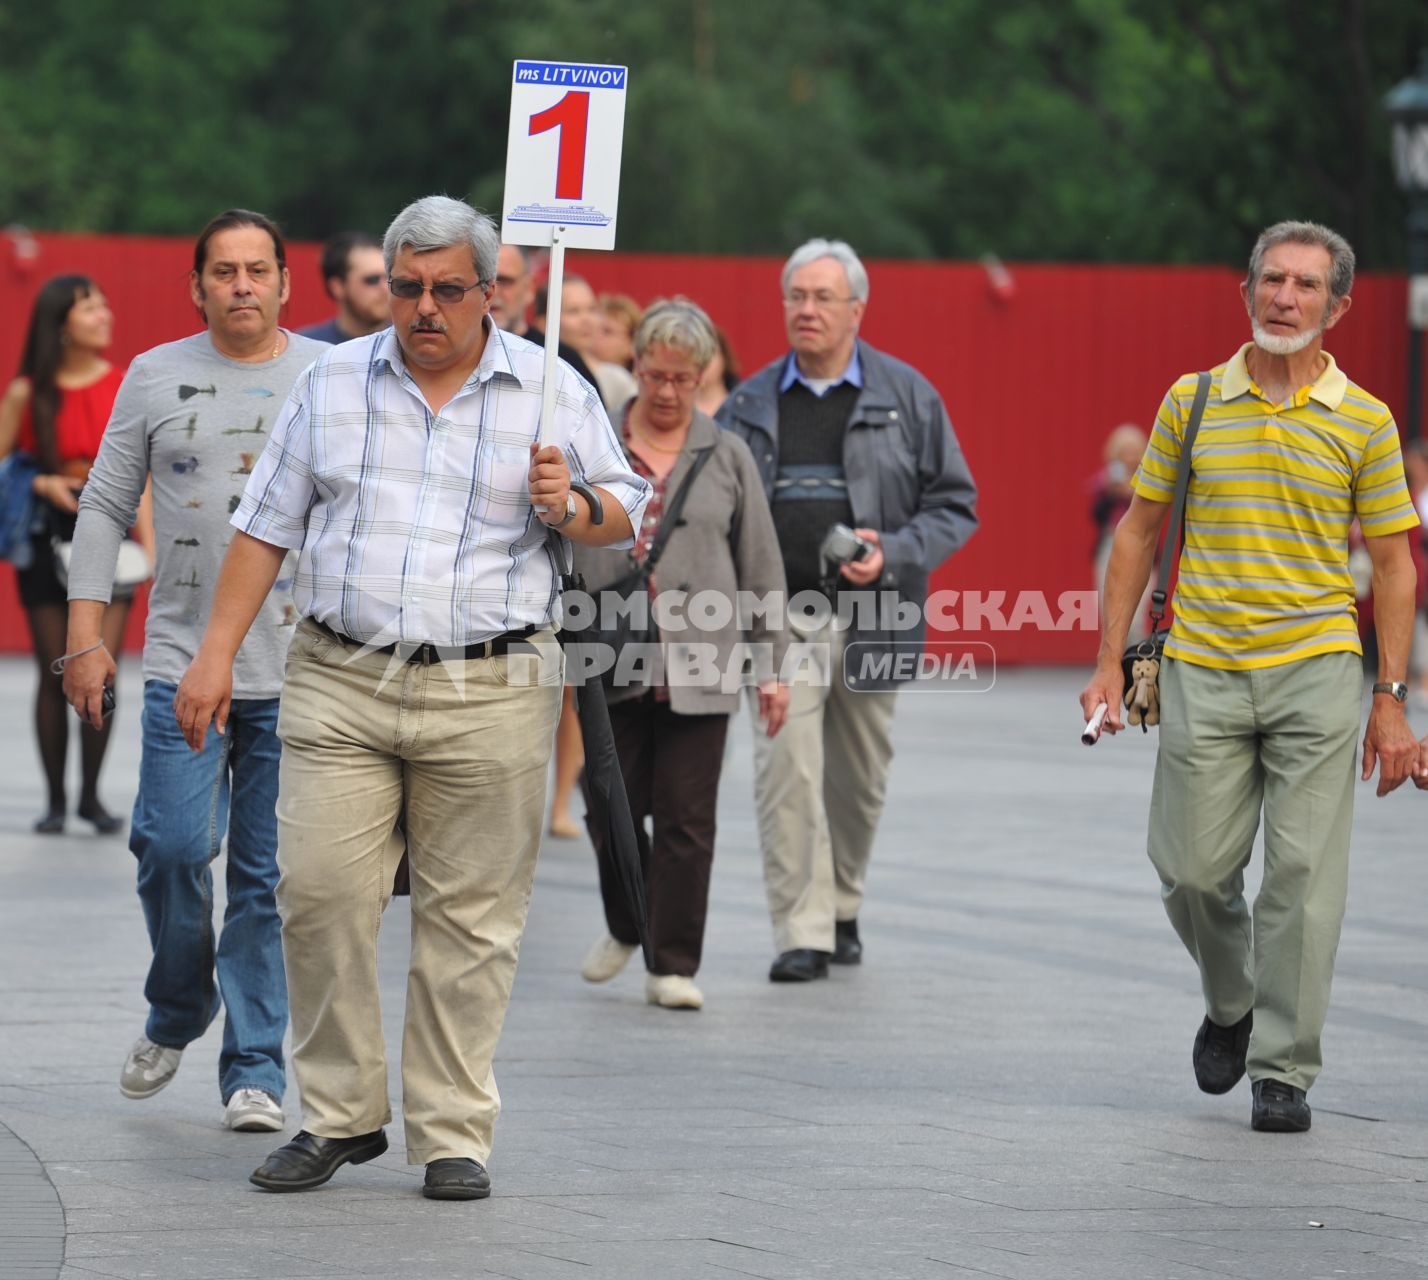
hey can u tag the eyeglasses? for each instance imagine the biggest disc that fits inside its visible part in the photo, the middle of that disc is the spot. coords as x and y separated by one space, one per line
822 300
445 292
679 381
371 281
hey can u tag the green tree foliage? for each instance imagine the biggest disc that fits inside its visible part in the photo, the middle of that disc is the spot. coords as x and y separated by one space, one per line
1111 130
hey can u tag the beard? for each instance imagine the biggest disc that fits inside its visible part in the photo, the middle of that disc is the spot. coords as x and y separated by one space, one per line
1275 345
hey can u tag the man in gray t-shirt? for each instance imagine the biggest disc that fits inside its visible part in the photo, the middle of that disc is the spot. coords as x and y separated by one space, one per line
191 418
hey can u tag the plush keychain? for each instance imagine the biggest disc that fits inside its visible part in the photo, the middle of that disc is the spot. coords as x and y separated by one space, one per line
1143 697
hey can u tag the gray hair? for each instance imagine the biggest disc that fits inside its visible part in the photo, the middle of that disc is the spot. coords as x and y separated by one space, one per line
681 325
439 222
841 252
1341 256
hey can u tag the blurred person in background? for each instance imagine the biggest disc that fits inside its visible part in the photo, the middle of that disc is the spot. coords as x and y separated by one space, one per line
194 415
842 434
1111 492
580 328
514 290
619 318
356 280
55 413
720 376
1415 471
669 736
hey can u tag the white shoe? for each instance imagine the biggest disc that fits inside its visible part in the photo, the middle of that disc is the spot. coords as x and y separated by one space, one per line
148 1068
605 959
670 991
253 1111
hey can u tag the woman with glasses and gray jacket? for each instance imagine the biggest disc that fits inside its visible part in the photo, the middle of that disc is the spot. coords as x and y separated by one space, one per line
670 716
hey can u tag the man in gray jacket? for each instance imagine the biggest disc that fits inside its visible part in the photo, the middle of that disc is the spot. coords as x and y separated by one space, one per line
842 434
192 417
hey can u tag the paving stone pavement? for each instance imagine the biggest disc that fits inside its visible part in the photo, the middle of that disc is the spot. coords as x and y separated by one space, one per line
1003 1089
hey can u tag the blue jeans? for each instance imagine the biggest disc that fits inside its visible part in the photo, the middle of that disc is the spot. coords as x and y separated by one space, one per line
186 803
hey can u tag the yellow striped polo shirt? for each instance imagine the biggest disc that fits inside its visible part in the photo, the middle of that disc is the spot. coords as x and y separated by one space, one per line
1264 576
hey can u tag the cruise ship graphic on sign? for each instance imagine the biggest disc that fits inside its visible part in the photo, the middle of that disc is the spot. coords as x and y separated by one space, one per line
579 215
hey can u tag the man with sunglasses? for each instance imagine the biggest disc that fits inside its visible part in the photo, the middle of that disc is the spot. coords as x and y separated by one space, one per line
424 678
356 279
843 434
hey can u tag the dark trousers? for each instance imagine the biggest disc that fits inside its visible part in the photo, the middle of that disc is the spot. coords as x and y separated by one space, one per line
670 765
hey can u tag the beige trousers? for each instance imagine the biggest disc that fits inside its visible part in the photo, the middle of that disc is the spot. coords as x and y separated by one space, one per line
465 747
819 786
1282 741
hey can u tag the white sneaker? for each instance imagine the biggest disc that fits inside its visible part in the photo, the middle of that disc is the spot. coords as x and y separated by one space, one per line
670 991
605 959
253 1111
148 1068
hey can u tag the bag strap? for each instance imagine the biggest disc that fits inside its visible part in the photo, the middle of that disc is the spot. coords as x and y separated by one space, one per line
1176 529
670 518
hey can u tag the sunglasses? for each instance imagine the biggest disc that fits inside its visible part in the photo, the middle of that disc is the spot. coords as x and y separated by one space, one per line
411 290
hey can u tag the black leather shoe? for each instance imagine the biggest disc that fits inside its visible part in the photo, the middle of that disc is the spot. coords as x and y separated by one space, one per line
456 1178
52 824
847 947
1219 1055
802 965
1279 1108
308 1161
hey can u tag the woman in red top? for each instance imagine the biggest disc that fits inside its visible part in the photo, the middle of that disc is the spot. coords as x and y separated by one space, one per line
56 410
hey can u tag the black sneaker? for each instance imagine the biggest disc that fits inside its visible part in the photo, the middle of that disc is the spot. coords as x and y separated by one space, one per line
1219 1055
1279 1108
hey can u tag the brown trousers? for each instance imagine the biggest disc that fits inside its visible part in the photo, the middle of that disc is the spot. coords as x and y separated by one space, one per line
670 764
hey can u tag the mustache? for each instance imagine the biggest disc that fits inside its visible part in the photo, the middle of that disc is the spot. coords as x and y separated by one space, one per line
420 325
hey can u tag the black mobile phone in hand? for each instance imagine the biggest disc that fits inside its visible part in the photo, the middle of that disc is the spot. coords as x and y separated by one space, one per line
106 702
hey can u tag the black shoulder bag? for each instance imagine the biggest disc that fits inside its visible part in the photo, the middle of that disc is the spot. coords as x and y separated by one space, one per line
1152 648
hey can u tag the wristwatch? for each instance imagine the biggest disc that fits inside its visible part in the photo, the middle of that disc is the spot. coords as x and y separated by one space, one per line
1395 688
571 511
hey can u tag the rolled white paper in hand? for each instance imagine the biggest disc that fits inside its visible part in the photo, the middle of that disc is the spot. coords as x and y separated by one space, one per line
1092 732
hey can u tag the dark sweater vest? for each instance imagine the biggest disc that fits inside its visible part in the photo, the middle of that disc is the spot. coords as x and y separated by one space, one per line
810 491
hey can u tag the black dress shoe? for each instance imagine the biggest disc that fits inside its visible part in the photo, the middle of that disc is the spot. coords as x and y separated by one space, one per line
1219 1055
847 947
1279 1108
308 1161
52 824
456 1178
802 965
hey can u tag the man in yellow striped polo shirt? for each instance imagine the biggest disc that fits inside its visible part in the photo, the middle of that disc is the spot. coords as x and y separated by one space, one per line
1262 683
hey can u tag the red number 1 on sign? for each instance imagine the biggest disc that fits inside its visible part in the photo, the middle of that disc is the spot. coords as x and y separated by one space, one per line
571 116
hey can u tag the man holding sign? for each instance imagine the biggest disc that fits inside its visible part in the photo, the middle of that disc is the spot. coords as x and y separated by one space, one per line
406 469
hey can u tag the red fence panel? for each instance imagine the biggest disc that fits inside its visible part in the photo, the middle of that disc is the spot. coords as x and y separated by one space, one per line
1034 379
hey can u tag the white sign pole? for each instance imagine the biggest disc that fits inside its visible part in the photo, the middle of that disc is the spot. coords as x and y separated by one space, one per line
554 282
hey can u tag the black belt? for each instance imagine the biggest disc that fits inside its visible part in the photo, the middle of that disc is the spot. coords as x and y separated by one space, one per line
426 654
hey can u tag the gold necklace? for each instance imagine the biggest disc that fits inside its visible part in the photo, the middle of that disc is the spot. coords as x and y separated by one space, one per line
657 447
276 345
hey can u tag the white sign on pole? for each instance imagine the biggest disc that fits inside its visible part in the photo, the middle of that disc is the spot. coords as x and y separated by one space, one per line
563 153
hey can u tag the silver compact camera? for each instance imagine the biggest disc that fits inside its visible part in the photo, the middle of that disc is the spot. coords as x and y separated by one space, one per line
842 546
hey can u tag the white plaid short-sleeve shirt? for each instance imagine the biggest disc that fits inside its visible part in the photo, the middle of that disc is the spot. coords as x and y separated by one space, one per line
416 526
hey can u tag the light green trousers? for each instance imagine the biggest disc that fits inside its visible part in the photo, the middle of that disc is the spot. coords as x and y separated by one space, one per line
1281 739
